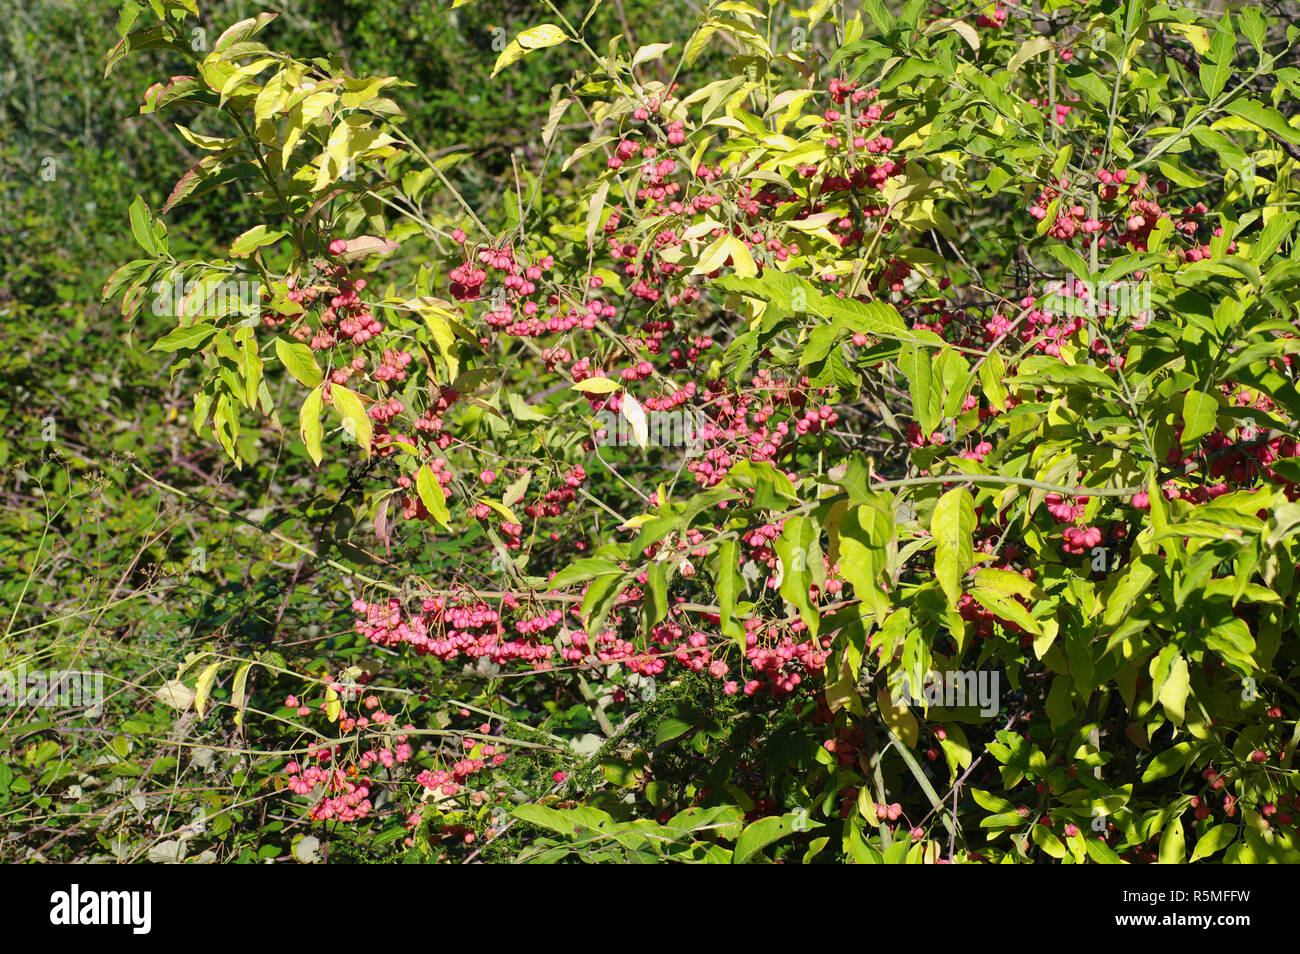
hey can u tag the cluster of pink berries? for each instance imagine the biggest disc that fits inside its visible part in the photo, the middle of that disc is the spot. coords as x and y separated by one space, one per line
1080 539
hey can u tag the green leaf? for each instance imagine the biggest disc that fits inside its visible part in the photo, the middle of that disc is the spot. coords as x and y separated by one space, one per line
758 835
127 16
1199 412
896 853
300 361
1179 176
1041 369
990 802
1254 26
142 227
865 532
1168 761
654 603
1173 844
1266 118
1226 151
187 338
952 525
1123 590
797 548
727 585
1101 853
250 362
595 208
1027 51
1006 583
992 380
1006 608
579 571
600 596
914 362
1044 839
881 17
1216 839
1216 66
255 238
562 822
671 729
954 384
1271 236
1049 219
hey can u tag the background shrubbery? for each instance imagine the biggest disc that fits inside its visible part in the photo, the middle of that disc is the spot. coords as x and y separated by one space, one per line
971 472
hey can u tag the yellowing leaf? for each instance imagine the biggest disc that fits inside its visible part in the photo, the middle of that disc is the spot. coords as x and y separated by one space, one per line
1198 36
176 694
309 425
698 41
843 692
364 246
593 211
535 38
1173 694
442 320
961 27
635 414
501 509
1005 582
538 37
1028 50
239 692
355 420
722 248
433 496
741 259
898 717
596 386
203 688
349 141
652 51
711 258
